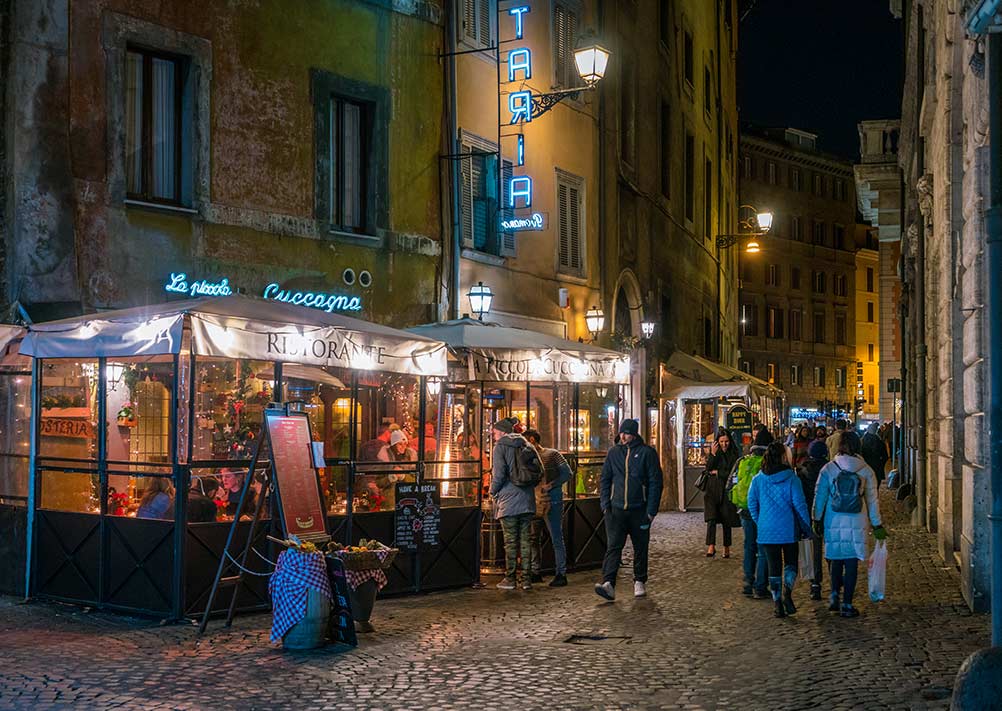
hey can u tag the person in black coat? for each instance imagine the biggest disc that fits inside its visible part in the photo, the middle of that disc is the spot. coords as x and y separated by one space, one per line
875 452
723 455
809 471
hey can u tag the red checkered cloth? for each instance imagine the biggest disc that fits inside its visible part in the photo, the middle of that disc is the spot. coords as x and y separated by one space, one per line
357 577
295 575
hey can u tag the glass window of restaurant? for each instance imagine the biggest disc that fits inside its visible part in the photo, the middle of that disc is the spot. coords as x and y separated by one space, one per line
455 451
15 430
594 425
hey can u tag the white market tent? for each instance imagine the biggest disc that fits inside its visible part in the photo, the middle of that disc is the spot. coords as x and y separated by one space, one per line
238 326
689 377
505 353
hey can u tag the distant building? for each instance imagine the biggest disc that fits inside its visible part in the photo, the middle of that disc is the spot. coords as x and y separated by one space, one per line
867 373
798 311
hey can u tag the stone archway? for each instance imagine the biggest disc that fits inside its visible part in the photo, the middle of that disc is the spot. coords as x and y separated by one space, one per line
627 305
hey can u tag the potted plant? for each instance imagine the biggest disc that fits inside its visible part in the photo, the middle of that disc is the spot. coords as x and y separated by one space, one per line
127 415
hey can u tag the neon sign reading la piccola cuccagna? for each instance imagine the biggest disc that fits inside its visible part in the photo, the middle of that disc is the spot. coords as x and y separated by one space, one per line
178 284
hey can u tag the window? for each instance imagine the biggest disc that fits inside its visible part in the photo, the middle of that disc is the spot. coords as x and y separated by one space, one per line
795 179
349 158
478 174
819 376
838 237
565 35
869 279
829 189
840 377
795 375
749 320
154 117
478 22
796 324
708 198
627 113
747 274
819 282
747 167
772 275
840 330
690 177
795 229
707 91
707 338
869 391
770 170
840 190
869 312
841 285
665 149
746 367
688 61
570 226
819 233
819 327
770 370
774 322
665 23
795 277
869 352
818 190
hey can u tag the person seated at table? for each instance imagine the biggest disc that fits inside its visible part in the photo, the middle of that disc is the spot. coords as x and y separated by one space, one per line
233 484
398 450
370 451
201 500
159 496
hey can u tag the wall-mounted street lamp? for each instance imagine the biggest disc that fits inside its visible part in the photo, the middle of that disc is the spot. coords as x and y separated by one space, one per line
434 386
480 297
595 320
591 60
648 328
756 225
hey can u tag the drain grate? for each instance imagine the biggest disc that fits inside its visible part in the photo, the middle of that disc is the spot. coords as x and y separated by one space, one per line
597 639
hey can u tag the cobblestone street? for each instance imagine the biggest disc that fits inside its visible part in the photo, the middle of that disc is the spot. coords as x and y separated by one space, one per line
695 642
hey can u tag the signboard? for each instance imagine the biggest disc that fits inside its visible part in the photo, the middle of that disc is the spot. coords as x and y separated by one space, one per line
739 420
66 427
301 507
342 623
553 366
894 385
532 223
418 516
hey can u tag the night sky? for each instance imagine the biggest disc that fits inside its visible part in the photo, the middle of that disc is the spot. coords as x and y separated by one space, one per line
819 65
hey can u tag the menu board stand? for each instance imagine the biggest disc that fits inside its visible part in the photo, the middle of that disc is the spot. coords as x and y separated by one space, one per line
292 481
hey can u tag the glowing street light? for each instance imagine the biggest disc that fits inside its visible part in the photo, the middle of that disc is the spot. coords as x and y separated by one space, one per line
591 59
595 320
480 297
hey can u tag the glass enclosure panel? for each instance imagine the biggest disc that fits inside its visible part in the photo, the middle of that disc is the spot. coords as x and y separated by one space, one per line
70 491
334 480
141 496
596 421
230 398
452 447
589 472
326 397
374 487
139 392
388 417
221 487
69 409
700 426
15 436
551 405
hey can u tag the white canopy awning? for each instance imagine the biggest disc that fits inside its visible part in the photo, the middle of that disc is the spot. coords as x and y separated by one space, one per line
690 377
506 353
239 326
7 335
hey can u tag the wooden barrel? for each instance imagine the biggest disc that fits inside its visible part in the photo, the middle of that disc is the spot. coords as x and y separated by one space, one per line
311 631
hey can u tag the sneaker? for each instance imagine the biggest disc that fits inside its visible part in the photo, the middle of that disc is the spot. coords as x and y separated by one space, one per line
639 589
788 605
559 581
605 590
537 578
526 584
747 590
762 595
507 584
833 605
815 592
849 611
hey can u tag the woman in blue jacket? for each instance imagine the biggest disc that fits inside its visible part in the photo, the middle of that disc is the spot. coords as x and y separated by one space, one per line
776 503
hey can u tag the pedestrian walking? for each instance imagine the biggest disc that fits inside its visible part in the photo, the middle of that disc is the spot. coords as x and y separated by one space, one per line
846 500
874 452
821 433
809 472
630 490
549 509
745 470
776 503
832 440
800 444
716 505
515 473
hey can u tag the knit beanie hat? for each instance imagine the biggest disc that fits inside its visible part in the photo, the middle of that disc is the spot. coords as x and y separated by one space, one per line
817 450
763 438
506 425
630 427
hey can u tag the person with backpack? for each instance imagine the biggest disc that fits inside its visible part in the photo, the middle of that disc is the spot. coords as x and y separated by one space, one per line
549 509
745 469
846 500
516 470
630 491
809 471
776 503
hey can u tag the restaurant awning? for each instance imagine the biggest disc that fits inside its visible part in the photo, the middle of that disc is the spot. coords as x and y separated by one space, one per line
239 326
690 377
506 353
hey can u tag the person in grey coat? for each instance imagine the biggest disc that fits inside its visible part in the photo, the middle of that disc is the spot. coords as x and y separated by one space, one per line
514 505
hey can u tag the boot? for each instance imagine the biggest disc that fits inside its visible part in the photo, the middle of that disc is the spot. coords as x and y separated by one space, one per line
779 610
815 591
791 609
776 586
833 603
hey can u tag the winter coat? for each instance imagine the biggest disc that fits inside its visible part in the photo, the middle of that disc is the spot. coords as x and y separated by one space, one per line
809 472
509 499
798 451
632 478
776 503
875 454
845 533
716 484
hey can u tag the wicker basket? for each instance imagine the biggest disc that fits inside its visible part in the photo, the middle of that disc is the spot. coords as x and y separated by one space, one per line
368 560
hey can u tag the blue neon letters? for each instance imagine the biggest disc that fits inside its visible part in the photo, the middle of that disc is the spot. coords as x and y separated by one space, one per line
520 108
518 12
179 284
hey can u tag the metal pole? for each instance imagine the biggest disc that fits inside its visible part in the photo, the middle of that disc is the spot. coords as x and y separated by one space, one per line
993 294
454 170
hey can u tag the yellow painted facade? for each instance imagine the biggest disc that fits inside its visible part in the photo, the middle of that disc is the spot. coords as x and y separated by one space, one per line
868 319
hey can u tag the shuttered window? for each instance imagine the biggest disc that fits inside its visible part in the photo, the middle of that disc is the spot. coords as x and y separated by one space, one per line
570 225
480 218
477 24
565 33
348 142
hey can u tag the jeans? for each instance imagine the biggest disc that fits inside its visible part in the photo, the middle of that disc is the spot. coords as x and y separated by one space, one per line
618 524
516 531
782 559
754 562
844 574
536 543
554 521
711 533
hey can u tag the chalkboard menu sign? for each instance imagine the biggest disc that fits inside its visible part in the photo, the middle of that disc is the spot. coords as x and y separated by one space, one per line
342 623
739 420
418 516
298 491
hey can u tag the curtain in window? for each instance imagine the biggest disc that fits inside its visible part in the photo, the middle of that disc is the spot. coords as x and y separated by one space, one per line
164 130
134 122
351 176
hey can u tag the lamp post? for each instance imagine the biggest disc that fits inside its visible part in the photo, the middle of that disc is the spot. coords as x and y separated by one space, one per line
595 321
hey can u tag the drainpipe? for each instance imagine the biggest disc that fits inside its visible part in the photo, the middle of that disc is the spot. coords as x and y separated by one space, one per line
603 257
993 292
920 377
454 169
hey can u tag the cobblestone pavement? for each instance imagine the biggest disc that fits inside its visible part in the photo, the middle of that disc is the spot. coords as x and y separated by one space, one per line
695 642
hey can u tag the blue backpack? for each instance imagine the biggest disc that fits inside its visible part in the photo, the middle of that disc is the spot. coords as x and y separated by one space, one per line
847 492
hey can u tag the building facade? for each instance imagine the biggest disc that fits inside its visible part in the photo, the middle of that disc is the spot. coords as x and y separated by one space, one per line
798 294
867 373
944 158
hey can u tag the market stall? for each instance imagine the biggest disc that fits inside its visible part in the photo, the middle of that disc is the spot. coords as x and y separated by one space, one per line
698 397
574 394
146 420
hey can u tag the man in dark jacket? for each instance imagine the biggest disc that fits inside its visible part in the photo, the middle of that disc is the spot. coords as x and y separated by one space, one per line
875 452
514 505
809 471
630 490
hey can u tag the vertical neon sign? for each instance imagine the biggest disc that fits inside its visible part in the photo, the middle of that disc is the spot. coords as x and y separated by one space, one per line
519 109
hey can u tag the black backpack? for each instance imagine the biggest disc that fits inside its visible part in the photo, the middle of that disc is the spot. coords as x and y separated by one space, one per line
528 469
846 492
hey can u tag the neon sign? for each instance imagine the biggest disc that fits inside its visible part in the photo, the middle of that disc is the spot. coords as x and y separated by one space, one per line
533 222
324 302
520 108
179 284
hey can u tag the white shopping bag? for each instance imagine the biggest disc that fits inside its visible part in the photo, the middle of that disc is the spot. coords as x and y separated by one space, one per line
876 571
806 559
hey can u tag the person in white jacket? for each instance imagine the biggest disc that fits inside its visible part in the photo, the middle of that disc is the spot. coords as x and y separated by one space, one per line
846 531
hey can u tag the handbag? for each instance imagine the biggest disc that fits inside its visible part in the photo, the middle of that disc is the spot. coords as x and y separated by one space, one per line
730 513
701 481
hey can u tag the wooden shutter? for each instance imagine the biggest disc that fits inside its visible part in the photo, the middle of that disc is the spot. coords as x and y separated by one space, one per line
569 238
466 197
506 240
565 30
